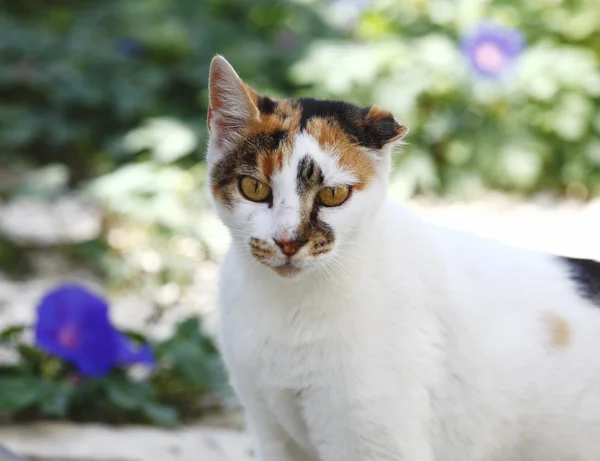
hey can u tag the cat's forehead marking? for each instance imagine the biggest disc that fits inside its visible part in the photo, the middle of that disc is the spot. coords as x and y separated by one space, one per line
309 175
325 158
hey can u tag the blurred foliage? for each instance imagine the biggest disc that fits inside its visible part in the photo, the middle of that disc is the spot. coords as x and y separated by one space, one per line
188 369
536 131
110 97
75 77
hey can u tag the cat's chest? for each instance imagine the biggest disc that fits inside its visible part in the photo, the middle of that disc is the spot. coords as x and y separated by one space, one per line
290 343
284 356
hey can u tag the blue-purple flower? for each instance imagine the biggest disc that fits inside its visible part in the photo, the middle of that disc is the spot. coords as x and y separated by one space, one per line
492 49
73 324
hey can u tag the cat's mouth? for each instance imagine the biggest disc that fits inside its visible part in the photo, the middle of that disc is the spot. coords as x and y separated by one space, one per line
289 265
288 269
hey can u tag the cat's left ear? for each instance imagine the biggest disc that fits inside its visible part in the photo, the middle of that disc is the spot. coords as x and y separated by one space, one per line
382 128
231 103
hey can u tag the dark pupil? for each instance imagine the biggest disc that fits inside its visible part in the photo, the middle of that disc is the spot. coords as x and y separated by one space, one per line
255 186
332 193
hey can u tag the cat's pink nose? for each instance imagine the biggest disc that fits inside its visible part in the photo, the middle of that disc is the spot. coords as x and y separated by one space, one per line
290 247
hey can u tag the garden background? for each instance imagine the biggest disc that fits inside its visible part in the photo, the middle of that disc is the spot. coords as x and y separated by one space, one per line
102 175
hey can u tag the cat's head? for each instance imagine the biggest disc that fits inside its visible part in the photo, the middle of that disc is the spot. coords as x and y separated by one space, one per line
294 179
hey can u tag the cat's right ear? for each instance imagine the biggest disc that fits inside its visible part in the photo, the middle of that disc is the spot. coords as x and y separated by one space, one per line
231 107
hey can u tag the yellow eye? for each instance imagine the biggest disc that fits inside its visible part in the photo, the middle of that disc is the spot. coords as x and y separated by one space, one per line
254 190
334 196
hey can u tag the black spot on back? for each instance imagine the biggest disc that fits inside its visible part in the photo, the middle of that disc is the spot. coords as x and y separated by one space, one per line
586 275
266 105
309 175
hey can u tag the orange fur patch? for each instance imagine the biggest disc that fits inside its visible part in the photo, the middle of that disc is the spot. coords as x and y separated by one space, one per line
350 156
268 164
286 118
560 331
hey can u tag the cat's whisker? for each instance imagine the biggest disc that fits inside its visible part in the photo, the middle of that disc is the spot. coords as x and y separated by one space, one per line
352 258
341 266
328 275
346 251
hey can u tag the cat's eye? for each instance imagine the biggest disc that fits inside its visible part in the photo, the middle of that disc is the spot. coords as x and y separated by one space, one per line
333 196
254 190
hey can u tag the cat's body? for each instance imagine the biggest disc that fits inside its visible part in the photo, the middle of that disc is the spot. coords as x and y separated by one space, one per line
405 342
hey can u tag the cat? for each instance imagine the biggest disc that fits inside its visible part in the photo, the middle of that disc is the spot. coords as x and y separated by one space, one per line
354 331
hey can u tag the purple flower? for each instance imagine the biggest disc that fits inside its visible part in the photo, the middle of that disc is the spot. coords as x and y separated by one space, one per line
73 324
128 353
492 49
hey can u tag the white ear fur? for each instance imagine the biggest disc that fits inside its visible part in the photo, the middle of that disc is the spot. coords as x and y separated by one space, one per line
231 107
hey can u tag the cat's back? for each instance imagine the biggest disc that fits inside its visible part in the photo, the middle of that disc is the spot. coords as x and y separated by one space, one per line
492 266
524 303
523 332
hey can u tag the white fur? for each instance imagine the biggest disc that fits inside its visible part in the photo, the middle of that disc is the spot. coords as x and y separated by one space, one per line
407 342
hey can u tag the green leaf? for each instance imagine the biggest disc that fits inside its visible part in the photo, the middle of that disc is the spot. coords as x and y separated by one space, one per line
51 368
31 354
128 395
10 370
55 398
189 328
9 333
161 414
191 361
18 393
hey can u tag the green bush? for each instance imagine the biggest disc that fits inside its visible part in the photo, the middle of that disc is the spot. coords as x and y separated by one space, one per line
537 131
75 76
39 386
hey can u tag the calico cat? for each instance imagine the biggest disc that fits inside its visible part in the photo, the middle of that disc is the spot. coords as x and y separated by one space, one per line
353 331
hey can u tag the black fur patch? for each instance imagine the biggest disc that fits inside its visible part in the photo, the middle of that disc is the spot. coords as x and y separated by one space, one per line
339 110
348 116
586 275
309 175
266 105
319 226
272 141
382 130
309 180
351 119
312 228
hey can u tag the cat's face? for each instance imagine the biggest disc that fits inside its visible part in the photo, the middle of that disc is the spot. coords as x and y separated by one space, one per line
294 179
